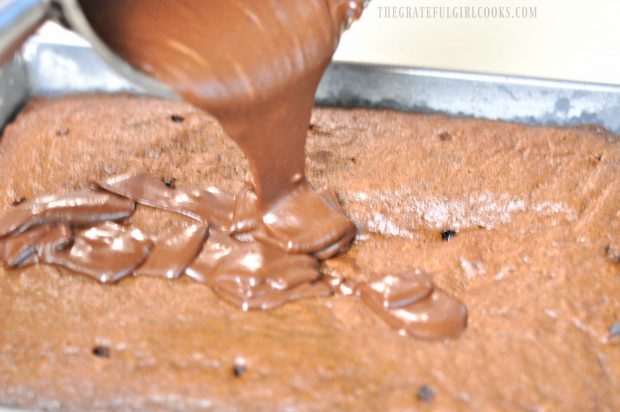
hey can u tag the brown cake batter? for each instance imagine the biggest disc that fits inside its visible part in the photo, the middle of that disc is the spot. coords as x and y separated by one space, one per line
530 220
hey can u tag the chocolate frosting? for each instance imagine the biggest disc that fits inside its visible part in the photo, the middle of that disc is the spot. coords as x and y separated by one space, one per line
82 208
173 253
253 275
55 240
396 291
539 278
20 249
410 303
239 214
210 205
107 252
255 272
285 229
255 65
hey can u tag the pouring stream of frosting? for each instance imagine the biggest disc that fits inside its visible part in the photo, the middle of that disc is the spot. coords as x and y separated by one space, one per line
255 65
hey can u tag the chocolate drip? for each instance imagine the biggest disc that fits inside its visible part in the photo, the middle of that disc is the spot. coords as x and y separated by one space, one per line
20 249
82 208
55 239
107 252
401 290
254 275
410 303
173 253
255 65
28 248
210 205
239 214
284 229
245 215
265 298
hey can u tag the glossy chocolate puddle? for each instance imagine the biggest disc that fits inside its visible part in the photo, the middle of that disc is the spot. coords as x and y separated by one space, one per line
255 65
86 232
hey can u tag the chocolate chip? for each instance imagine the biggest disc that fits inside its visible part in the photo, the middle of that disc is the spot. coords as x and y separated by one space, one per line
595 158
101 351
425 394
63 131
445 136
170 182
448 234
18 201
239 369
614 330
613 254
311 126
177 118
353 160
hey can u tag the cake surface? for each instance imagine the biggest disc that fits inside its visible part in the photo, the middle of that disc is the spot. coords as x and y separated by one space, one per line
520 223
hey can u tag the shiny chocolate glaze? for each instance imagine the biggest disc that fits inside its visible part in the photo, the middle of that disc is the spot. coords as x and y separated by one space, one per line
255 65
412 304
173 253
239 265
82 208
107 252
210 205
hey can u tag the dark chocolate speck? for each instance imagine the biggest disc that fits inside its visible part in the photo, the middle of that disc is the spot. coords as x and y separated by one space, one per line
448 234
63 131
425 394
18 201
445 136
239 369
613 254
595 158
101 351
177 118
170 182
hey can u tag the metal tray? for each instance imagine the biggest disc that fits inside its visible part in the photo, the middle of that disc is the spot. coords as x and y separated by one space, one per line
46 67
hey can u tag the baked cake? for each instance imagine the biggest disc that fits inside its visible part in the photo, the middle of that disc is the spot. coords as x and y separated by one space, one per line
520 223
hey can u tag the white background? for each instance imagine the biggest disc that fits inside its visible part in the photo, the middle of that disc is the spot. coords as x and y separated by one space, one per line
570 39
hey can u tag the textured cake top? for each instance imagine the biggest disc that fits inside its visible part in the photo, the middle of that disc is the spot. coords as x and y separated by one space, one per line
520 223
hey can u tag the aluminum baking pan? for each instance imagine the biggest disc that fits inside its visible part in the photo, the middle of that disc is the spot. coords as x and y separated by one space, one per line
46 68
